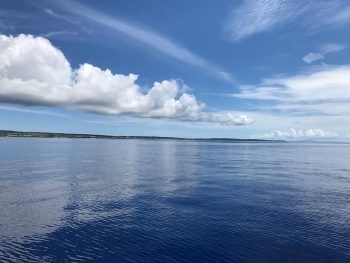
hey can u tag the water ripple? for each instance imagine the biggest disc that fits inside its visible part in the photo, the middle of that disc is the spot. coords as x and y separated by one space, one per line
173 201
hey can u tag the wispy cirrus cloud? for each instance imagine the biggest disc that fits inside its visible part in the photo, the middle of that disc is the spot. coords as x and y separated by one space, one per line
34 72
258 16
332 48
323 51
7 13
4 26
59 33
148 37
32 111
312 57
318 97
9 20
321 91
332 83
60 16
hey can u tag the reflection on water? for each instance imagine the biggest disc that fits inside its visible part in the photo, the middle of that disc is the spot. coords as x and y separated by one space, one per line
173 201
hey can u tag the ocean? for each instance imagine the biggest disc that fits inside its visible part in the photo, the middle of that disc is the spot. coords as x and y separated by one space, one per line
96 200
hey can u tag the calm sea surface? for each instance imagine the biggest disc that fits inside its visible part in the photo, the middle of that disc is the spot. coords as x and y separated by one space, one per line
66 200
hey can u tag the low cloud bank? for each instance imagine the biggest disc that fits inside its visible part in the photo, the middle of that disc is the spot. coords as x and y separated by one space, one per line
297 134
34 72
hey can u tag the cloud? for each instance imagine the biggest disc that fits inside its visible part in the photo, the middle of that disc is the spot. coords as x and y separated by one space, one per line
4 26
316 98
25 110
9 20
148 37
325 91
258 16
34 72
59 33
324 50
312 57
297 134
332 48
59 16
7 13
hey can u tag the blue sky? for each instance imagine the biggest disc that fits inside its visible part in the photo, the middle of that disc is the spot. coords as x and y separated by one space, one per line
245 69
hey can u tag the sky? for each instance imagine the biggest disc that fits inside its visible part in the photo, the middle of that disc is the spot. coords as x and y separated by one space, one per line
266 69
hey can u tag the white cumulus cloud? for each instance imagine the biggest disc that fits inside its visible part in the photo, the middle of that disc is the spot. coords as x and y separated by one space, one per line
34 72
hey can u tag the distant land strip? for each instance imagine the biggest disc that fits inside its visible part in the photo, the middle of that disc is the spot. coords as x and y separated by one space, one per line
6 133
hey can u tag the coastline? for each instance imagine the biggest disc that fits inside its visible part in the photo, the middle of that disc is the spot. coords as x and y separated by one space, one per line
31 134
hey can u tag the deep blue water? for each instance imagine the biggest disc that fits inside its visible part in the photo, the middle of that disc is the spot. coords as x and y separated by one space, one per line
65 200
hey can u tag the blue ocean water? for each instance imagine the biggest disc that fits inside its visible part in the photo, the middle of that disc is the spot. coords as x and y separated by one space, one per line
85 200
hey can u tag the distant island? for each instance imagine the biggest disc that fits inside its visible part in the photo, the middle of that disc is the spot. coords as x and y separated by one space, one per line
6 133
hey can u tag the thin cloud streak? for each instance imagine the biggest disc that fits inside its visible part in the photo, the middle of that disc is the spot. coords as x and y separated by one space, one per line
59 16
157 41
40 112
318 98
324 50
58 33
